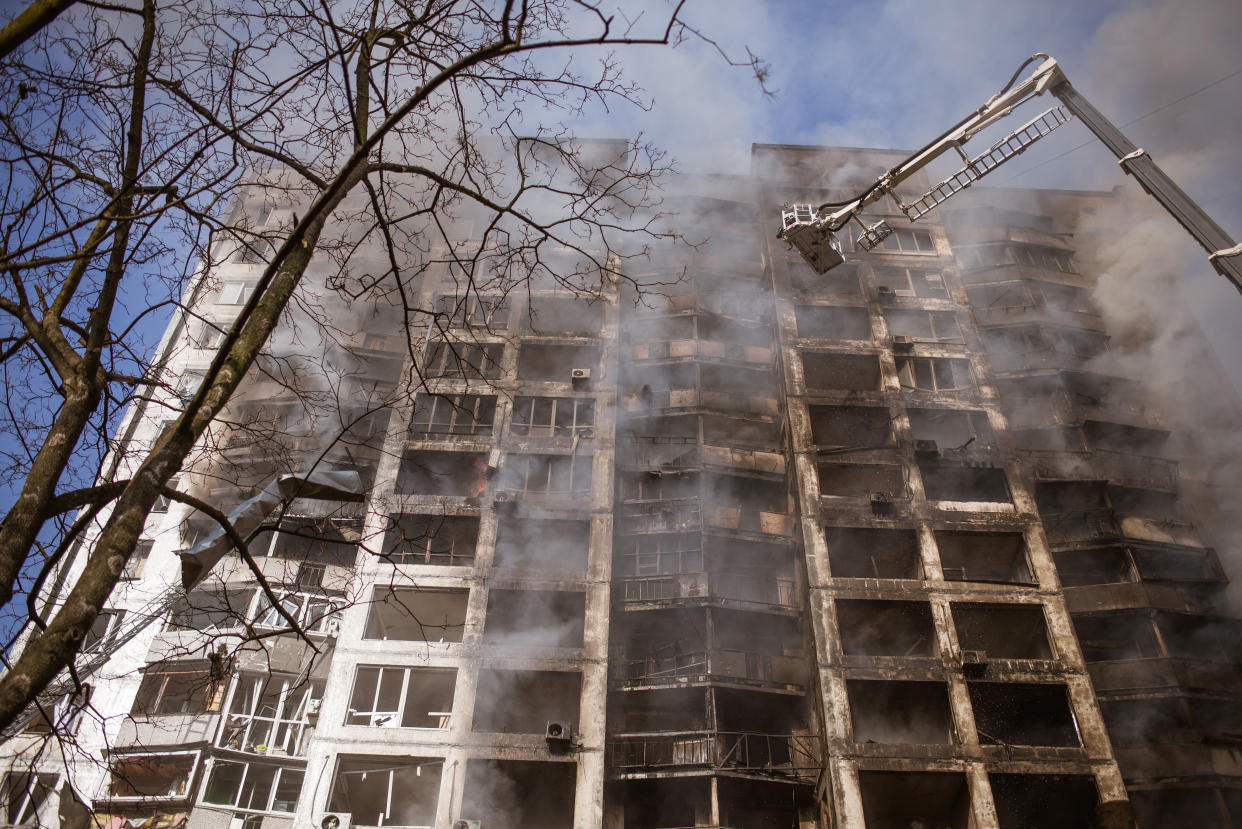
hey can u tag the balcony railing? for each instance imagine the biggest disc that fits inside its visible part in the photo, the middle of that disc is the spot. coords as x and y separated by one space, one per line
1104 464
787 756
662 516
727 663
772 591
1080 525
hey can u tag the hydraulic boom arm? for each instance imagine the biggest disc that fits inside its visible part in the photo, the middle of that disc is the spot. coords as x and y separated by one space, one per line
812 230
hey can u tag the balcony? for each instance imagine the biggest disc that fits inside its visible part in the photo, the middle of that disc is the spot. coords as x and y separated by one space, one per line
1163 672
1122 468
702 349
713 664
662 399
1000 316
166 730
727 588
785 756
668 516
1127 596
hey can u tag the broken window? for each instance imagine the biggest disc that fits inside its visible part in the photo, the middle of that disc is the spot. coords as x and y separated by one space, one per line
535 618
1146 721
659 485
235 292
397 697
924 326
547 474
934 374
833 322
840 281
453 414
1193 805
60 715
900 712
490 313
409 614
442 473
984 556
268 714
943 482
1169 564
911 281
462 360
542 544
555 362
137 560
952 429
908 241
176 692
885 628
1104 565
659 554
1003 631
322 541
552 416
1050 801
524 702
210 610
851 427
1041 257
519 793
868 553
861 480
1192 636
387 791
314 612
583 316
720 430
103 631
904 799
1023 714
841 372
159 776
1117 636
445 540
254 786
23 794
661 329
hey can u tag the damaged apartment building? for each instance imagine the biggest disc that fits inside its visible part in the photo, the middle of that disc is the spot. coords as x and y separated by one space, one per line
895 546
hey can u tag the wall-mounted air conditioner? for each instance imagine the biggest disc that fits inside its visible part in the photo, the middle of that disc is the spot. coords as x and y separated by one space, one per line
332 627
335 820
903 343
886 293
558 736
580 377
313 706
926 447
881 503
467 824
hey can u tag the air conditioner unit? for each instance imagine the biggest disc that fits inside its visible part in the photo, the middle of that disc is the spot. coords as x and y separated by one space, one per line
903 343
580 376
558 736
467 824
881 503
926 447
974 663
335 820
332 627
493 461
313 706
886 293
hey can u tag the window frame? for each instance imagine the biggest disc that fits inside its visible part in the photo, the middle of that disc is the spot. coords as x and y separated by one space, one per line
579 467
581 416
394 718
450 359
293 698
279 772
464 415
909 368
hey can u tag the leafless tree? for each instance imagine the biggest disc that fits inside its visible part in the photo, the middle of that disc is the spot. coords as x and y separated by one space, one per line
134 135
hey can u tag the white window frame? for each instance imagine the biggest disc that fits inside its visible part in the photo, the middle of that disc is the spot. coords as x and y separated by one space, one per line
247 766
290 716
391 718
186 793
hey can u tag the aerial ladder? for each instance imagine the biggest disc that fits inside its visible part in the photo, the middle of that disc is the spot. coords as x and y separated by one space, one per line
813 231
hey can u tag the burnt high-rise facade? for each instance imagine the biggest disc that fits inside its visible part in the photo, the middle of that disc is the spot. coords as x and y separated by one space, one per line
894 546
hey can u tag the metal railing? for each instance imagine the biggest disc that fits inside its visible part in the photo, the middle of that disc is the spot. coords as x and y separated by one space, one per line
729 663
777 592
787 756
